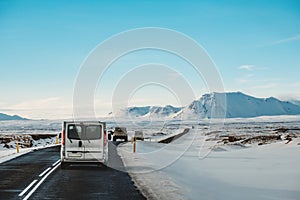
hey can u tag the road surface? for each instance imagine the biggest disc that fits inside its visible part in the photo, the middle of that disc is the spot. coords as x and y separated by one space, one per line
37 175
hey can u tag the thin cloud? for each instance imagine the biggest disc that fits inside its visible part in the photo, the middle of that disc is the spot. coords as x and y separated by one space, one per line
295 84
247 67
52 102
50 108
252 68
282 41
290 39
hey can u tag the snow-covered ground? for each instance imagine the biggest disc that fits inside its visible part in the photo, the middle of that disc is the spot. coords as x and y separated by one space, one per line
8 154
192 168
35 134
30 127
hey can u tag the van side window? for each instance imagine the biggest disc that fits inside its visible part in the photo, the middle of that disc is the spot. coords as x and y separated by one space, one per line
93 132
74 132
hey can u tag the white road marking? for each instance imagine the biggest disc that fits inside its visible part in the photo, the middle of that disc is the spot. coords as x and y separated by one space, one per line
28 187
55 163
40 182
44 172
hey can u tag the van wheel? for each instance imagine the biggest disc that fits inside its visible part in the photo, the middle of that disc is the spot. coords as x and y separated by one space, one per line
126 139
63 165
114 139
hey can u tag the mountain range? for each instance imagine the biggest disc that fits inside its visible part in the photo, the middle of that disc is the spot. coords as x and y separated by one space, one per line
215 105
4 117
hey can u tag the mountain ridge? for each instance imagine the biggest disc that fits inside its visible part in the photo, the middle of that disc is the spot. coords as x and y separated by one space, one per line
216 105
5 117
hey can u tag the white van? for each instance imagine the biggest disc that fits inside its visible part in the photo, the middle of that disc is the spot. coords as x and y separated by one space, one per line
83 142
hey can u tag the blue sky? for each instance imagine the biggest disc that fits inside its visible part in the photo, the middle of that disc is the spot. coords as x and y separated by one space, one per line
254 44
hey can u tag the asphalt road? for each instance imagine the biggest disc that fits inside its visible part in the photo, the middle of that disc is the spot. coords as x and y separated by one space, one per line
41 169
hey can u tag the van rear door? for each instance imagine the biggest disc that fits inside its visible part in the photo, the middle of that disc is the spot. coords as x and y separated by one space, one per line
94 141
73 141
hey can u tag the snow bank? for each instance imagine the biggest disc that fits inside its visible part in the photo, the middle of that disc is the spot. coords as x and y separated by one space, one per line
25 140
8 154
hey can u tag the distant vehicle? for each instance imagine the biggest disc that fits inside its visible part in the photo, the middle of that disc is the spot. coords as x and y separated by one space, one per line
109 135
83 142
120 133
139 135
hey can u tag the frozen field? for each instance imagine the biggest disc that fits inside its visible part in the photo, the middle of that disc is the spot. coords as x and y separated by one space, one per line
203 164
30 127
28 133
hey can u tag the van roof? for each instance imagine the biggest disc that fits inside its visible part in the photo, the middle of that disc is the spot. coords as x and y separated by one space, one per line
83 122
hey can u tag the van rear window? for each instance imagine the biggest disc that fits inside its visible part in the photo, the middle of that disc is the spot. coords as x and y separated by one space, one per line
84 132
75 132
93 132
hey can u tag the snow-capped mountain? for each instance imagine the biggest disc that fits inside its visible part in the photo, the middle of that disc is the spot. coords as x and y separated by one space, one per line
238 105
147 112
10 117
216 105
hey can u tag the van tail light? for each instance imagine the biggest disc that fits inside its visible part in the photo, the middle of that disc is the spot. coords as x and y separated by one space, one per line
104 137
63 137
